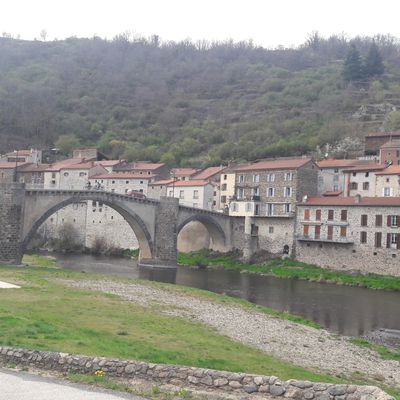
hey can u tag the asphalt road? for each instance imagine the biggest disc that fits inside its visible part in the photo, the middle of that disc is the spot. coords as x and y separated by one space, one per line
23 386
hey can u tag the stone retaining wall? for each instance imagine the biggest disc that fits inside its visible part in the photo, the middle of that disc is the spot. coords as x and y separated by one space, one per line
189 377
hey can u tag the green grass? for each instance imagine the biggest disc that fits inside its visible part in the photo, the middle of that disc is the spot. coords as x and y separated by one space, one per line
384 352
39 260
288 268
46 315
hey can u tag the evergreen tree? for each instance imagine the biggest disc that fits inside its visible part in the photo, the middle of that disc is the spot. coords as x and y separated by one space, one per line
374 63
352 68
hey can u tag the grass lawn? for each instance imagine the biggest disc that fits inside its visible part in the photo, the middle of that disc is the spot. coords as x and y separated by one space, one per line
47 315
289 268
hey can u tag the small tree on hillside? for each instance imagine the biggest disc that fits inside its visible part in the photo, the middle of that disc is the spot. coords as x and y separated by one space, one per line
374 62
352 67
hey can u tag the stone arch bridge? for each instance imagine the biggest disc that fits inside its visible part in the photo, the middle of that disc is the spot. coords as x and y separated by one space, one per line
156 224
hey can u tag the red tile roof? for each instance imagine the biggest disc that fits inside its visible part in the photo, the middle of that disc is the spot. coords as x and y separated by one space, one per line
391 143
334 163
276 164
372 167
163 182
392 170
64 163
208 172
20 152
110 163
352 201
189 183
34 167
383 134
10 165
146 166
123 175
184 171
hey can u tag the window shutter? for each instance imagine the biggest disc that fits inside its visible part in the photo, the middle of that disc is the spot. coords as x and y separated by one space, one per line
398 241
388 241
389 220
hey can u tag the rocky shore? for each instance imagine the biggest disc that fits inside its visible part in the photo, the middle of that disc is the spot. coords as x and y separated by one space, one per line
302 345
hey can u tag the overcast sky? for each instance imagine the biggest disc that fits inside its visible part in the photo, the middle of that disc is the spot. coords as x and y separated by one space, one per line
268 22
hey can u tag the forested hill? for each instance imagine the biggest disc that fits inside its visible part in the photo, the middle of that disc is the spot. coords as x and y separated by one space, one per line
191 103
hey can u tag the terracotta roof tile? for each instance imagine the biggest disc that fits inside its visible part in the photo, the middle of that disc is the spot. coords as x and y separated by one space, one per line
391 143
335 163
208 173
275 164
189 183
372 167
352 201
392 170
123 175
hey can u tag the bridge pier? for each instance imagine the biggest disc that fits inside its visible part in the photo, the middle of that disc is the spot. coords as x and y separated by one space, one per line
165 235
11 222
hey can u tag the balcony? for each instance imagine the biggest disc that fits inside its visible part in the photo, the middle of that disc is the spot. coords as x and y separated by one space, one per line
319 239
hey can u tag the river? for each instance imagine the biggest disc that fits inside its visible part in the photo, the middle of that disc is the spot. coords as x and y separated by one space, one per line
344 310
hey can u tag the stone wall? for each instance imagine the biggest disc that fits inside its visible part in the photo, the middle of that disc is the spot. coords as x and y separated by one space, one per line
189 377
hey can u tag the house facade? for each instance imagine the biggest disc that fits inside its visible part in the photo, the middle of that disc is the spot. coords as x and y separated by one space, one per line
196 193
350 233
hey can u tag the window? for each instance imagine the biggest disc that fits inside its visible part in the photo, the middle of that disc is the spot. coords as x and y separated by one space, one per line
171 193
66 173
127 182
354 173
288 176
387 192
239 193
335 178
141 182
225 177
234 207
343 215
270 209
241 178
53 175
256 191
306 229
393 220
223 199
336 170
288 192
270 229
331 215
364 220
257 209
366 186
330 232
363 237
317 231
367 174
353 186
271 192
343 231
378 239
223 186
270 177
249 207
181 194
306 214
287 208
256 178
393 241
112 182
318 215
195 194
378 220
82 174
335 188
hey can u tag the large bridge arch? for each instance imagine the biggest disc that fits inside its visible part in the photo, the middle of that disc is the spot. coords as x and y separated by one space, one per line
214 229
136 223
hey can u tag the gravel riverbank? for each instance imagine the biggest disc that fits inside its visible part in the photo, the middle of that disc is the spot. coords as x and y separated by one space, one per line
301 345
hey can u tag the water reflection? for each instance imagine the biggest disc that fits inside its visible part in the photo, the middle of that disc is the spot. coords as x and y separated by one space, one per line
346 310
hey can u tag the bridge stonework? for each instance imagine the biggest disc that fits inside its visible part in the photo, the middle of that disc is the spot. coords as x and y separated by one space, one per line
11 219
156 224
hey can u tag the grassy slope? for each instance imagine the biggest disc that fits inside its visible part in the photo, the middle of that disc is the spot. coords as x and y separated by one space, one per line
49 316
291 269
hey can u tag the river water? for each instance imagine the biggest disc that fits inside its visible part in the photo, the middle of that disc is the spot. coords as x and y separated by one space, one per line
344 310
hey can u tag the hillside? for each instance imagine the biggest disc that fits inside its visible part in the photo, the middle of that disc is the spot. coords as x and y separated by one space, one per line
191 103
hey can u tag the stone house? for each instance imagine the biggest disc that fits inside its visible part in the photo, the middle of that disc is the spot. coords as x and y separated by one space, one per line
388 182
350 233
331 178
158 189
183 174
144 168
374 141
32 175
227 186
390 153
122 182
273 187
196 193
361 180
23 156
7 170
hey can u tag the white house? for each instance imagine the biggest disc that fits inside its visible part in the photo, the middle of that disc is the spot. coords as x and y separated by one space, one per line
196 193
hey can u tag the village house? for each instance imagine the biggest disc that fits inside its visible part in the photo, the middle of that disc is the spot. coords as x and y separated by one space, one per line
122 182
160 170
390 153
272 188
388 182
374 141
32 175
331 178
183 174
361 180
158 189
22 156
196 193
350 233
227 187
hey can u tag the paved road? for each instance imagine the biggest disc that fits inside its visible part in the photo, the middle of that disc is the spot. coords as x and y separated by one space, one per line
24 386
